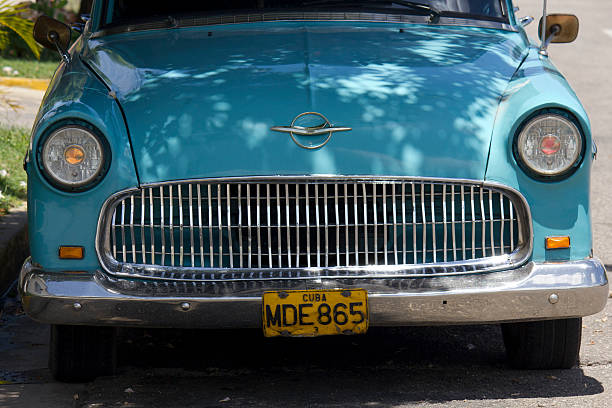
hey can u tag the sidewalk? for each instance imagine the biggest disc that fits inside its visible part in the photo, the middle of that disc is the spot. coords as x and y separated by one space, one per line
28 99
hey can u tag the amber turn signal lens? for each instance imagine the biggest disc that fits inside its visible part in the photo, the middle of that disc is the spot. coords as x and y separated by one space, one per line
71 252
557 242
74 154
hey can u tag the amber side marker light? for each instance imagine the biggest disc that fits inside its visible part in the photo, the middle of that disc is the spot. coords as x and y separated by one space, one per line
557 242
71 252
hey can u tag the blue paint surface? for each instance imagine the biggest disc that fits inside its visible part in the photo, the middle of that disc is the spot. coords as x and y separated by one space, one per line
431 101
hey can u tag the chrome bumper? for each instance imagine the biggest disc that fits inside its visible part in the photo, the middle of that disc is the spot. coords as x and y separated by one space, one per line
526 293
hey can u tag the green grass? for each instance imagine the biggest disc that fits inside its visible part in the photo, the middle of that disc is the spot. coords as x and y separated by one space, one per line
29 68
13 145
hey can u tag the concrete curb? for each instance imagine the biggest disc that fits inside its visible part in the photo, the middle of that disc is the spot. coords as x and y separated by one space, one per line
31 83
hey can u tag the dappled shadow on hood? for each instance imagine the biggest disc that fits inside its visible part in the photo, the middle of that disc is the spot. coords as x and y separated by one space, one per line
421 100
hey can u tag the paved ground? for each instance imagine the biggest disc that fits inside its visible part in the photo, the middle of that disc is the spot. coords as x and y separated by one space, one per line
27 99
429 367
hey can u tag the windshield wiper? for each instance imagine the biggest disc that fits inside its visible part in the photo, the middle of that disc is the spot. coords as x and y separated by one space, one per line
434 14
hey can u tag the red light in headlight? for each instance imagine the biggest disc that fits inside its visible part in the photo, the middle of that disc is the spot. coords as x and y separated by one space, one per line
550 145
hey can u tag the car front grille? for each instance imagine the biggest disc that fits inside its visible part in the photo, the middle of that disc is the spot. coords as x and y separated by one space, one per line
305 227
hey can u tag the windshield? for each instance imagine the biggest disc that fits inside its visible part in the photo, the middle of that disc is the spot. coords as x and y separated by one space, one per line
121 12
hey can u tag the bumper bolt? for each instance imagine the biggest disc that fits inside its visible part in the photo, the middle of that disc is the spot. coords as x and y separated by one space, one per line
185 306
553 298
77 306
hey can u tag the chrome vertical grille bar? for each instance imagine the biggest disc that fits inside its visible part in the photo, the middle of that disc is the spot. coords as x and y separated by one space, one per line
210 229
511 227
143 254
220 223
325 208
473 222
297 226
249 237
258 227
132 229
424 219
337 224
288 225
229 227
151 226
374 199
384 203
307 226
491 222
483 221
414 224
501 232
463 257
269 226
346 222
181 224
433 222
200 232
113 237
394 224
404 221
355 194
278 226
444 222
123 230
316 191
239 188
192 243
453 223
365 222
162 216
171 224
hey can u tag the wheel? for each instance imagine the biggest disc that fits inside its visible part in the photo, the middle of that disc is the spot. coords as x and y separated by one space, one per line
82 353
547 344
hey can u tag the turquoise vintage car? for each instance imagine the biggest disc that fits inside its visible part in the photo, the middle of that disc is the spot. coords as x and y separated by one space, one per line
309 168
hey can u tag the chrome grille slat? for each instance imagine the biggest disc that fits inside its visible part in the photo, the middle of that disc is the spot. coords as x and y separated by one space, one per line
123 229
229 227
210 228
368 226
143 253
171 226
162 216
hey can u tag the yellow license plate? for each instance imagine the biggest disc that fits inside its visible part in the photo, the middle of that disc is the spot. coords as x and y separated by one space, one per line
301 313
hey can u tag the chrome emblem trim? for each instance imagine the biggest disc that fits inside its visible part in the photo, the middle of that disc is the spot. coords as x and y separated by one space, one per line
324 128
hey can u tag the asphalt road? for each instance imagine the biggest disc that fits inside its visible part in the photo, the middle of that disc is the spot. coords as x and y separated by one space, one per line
428 367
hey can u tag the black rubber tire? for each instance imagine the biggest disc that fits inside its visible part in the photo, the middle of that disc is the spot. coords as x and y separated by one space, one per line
548 344
82 353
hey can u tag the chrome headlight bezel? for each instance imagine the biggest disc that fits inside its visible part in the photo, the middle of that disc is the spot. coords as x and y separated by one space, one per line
97 139
564 172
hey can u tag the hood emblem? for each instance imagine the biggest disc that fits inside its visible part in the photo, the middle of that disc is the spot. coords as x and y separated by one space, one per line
310 130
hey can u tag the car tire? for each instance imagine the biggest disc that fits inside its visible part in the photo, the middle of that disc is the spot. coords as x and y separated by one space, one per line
548 344
82 353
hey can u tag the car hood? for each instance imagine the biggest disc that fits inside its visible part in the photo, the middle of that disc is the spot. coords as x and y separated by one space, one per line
199 102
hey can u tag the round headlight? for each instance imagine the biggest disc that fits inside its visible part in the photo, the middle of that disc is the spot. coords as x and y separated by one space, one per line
72 157
549 145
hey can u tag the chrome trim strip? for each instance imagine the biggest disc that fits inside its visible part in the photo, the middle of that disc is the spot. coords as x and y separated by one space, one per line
517 257
396 19
517 295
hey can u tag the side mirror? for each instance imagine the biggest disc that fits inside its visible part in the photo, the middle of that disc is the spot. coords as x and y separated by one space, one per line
53 34
560 28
